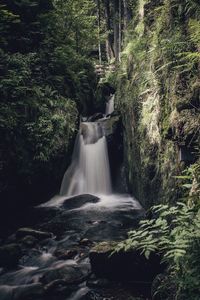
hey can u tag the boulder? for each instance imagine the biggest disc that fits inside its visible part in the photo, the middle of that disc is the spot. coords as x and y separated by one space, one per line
129 266
58 289
65 254
24 292
111 125
86 242
10 255
99 283
95 117
29 241
6 292
78 201
70 274
40 235
33 291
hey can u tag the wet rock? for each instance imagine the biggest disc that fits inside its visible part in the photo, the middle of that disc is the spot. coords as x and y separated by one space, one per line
10 255
93 295
103 92
71 274
95 117
30 257
113 129
54 284
114 293
99 283
85 132
24 292
86 242
78 201
6 292
58 288
29 241
30 291
40 214
125 266
11 239
65 254
40 235
110 125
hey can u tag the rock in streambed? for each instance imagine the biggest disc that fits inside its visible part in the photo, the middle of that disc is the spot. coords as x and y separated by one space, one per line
124 266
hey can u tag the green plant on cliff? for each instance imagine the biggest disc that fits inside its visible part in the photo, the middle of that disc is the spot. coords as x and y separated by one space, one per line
174 232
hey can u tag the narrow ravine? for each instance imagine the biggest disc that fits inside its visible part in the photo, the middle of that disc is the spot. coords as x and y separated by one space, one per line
99 150
51 260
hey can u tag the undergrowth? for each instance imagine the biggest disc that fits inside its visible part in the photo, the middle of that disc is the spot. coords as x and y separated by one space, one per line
174 233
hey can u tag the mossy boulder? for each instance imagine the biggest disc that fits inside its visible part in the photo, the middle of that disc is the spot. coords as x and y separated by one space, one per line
123 266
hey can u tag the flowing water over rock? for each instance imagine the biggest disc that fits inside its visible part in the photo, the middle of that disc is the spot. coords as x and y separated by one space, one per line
110 105
54 256
89 171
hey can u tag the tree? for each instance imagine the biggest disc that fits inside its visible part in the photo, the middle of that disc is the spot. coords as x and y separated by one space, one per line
45 75
109 34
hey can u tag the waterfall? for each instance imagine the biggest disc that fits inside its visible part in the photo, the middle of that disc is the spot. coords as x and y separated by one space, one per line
110 105
89 171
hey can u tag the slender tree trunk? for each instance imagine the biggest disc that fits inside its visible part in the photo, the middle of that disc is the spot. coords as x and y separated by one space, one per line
99 29
125 14
120 27
77 41
109 40
116 29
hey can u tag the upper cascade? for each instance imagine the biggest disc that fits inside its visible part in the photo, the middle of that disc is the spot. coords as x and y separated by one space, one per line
110 105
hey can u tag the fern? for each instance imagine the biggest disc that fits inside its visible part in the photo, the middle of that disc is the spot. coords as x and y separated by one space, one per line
174 232
192 8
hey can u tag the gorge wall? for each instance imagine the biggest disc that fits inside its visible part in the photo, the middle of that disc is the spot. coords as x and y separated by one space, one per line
157 93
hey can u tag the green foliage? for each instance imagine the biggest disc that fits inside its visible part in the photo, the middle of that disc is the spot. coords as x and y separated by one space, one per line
46 77
76 23
192 8
36 122
159 67
174 232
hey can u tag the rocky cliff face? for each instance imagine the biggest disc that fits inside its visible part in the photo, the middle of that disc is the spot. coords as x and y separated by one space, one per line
158 95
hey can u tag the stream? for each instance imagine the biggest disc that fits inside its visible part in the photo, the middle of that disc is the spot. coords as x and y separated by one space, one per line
53 260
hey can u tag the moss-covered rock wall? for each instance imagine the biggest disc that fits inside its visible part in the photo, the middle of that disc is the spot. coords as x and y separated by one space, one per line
157 92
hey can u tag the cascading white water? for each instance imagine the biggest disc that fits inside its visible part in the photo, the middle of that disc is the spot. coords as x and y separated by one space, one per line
110 105
89 171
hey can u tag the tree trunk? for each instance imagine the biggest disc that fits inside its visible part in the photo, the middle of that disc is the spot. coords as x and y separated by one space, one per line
99 30
77 40
125 14
109 39
120 27
116 30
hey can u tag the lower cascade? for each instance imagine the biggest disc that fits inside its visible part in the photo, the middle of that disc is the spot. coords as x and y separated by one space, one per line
57 259
89 171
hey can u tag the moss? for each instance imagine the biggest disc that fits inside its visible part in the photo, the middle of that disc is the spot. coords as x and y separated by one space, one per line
104 247
182 104
158 97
